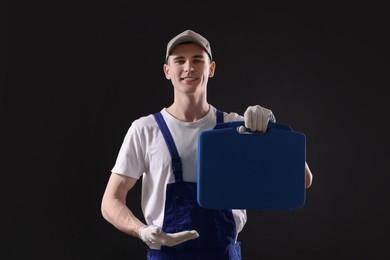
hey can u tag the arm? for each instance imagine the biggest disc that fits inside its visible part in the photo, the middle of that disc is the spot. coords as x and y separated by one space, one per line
308 175
113 206
115 211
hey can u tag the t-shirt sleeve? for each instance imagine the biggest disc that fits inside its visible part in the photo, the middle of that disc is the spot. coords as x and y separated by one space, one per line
131 157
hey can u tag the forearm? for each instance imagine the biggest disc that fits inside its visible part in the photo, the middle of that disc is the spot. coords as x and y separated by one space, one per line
121 217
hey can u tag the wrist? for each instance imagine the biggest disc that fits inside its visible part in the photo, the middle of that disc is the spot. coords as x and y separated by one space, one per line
140 230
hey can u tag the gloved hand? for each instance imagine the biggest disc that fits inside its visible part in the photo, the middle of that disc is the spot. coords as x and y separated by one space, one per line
256 118
154 237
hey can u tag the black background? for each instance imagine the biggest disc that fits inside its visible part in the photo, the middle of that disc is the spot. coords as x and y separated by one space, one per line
76 74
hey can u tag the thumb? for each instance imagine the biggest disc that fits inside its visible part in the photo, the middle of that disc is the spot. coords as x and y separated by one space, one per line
154 230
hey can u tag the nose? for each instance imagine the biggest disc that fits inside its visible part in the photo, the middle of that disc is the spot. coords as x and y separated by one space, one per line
188 66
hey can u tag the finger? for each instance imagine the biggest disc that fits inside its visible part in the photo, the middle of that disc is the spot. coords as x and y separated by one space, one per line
254 118
241 129
264 122
247 118
272 117
259 120
268 117
186 234
173 239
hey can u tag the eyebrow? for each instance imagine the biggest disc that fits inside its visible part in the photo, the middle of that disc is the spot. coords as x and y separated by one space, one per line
193 57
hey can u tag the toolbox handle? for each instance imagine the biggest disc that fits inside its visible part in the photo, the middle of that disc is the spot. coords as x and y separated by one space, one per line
237 124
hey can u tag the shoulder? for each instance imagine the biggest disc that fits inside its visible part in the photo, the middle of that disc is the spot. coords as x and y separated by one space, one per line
142 125
144 121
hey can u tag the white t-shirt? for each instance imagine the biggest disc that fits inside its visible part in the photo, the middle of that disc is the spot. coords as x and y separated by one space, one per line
144 152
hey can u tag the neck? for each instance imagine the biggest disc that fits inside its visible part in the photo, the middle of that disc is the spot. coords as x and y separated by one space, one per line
189 109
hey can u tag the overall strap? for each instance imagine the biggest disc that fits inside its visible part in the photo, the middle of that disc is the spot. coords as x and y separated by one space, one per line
176 161
219 117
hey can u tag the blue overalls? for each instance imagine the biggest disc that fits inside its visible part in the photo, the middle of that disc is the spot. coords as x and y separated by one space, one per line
216 228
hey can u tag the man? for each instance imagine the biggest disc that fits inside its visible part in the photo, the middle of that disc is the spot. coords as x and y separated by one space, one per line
162 149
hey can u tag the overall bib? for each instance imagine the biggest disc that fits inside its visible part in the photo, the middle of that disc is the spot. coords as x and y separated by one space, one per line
216 228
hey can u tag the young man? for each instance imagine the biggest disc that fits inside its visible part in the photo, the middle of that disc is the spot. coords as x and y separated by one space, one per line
162 149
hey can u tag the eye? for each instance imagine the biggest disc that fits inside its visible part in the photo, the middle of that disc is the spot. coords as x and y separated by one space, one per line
198 60
179 61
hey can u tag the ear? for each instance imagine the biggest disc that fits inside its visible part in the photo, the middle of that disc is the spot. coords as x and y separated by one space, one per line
166 71
212 69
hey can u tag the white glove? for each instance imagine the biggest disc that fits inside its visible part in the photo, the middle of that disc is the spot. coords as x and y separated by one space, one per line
154 237
257 117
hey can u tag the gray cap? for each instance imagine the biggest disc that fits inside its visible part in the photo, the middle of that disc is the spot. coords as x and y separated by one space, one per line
189 36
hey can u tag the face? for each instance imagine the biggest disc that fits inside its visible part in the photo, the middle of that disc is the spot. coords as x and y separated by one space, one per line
189 68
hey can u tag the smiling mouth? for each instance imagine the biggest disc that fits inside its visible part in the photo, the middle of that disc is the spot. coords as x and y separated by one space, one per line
189 78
